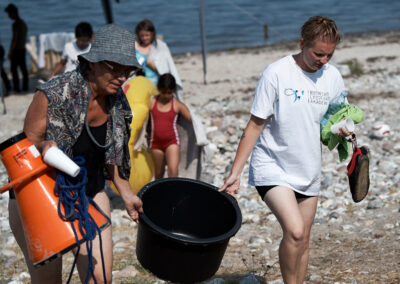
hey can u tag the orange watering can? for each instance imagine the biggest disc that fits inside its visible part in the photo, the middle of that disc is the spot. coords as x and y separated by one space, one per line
46 234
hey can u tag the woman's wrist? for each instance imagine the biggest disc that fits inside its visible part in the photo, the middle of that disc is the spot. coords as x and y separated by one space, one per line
235 173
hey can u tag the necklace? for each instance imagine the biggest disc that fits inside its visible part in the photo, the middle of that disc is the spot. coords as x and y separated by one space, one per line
94 140
90 133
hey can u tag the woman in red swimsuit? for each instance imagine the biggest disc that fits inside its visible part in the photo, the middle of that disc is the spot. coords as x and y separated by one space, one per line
164 141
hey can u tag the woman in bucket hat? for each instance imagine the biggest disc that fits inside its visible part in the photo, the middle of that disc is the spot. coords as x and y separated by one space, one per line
85 113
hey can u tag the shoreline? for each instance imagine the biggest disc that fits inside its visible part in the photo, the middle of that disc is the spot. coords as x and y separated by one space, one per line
347 40
293 43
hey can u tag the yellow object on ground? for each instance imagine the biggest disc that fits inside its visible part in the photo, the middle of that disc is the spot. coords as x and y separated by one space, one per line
138 91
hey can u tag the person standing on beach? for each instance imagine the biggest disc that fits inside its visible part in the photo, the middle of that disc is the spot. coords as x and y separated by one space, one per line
69 57
283 134
154 54
17 48
85 113
156 60
165 140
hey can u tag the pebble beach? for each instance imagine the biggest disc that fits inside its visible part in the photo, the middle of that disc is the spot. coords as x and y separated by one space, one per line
351 242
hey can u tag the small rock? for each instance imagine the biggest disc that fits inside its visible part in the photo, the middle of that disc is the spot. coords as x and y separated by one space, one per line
24 275
334 214
7 253
344 69
251 279
375 204
388 226
327 203
15 282
315 278
128 272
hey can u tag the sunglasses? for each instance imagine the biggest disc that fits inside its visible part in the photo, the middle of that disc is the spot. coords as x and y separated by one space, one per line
120 71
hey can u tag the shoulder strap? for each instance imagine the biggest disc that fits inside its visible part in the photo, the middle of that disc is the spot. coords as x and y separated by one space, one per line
155 103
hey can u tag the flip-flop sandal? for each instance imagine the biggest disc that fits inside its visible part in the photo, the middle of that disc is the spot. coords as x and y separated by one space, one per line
358 173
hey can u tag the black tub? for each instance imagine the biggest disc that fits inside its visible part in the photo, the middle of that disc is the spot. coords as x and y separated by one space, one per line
185 229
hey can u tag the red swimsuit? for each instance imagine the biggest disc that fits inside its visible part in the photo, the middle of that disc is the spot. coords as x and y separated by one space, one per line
163 128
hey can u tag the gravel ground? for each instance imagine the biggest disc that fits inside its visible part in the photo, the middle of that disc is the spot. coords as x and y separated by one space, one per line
351 243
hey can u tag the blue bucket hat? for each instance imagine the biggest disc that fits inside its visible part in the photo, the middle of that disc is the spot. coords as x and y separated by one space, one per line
115 44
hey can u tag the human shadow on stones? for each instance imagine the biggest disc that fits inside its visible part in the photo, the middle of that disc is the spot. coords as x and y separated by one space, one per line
236 279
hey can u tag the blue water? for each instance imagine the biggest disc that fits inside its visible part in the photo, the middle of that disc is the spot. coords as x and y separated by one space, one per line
226 25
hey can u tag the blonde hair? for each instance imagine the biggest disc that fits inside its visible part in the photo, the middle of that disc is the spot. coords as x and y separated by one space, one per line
320 28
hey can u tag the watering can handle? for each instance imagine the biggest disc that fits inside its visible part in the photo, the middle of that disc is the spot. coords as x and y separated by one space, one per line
21 179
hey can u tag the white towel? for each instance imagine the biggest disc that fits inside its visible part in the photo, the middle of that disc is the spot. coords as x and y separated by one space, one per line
52 41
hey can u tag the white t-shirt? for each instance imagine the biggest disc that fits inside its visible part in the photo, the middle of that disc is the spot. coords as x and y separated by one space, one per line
70 53
288 151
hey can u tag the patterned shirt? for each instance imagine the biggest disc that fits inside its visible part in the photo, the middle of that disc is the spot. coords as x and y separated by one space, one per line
68 100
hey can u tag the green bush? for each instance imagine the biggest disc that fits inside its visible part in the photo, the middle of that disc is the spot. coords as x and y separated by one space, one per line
354 66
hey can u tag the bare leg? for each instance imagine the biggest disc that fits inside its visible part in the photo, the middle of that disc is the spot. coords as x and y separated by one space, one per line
103 202
308 207
296 223
172 157
159 163
48 273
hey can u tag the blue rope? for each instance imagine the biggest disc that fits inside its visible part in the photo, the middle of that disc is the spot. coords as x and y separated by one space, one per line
72 198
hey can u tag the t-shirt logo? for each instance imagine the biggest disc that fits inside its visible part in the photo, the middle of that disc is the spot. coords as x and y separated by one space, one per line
297 94
319 98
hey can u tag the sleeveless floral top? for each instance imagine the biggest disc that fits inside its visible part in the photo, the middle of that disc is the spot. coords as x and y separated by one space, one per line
68 100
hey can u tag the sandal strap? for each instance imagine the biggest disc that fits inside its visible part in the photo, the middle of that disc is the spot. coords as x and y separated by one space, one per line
352 164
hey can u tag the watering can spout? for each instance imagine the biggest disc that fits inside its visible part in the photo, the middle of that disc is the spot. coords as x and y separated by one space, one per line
17 182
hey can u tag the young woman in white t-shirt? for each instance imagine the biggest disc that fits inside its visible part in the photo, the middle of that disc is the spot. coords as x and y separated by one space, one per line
283 135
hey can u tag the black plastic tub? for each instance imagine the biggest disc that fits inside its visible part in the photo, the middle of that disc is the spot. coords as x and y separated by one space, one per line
185 229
